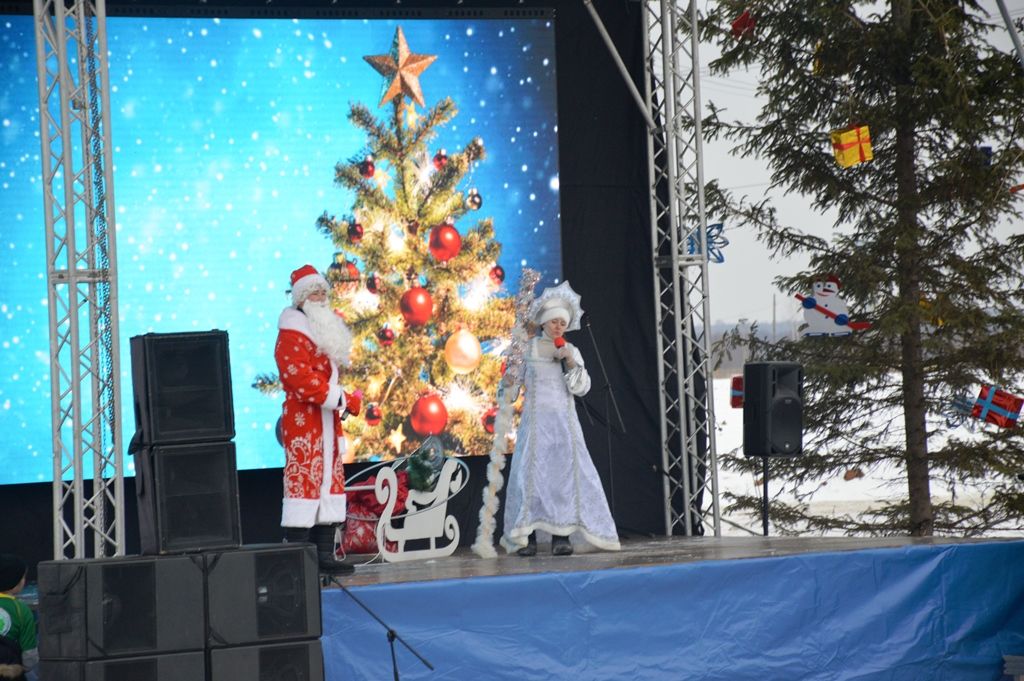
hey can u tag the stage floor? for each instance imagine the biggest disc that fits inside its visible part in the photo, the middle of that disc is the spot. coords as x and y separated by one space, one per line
637 552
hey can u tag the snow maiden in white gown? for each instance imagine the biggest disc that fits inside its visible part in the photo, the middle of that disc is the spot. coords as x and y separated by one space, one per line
553 487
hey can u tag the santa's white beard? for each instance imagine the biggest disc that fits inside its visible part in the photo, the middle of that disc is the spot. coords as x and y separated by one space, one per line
328 331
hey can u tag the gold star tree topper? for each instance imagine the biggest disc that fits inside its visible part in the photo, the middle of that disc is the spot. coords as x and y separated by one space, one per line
403 68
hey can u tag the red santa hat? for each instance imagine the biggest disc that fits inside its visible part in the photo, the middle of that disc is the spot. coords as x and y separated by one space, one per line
305 281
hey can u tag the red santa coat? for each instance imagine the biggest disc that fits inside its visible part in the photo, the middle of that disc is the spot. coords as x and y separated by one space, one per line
311 425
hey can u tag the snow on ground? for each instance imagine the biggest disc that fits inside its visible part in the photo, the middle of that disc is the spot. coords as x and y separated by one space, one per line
837 496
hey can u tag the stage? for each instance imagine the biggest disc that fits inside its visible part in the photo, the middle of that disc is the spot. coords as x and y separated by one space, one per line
763 609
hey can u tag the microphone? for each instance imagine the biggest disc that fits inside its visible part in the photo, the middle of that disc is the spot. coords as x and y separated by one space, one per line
560 343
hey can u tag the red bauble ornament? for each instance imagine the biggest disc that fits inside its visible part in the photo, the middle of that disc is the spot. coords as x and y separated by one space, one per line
355 232
441 159
428 415
488 420
343 274
366 168
445 242
498 274
413 227
385 336
417 306
373 283
373 415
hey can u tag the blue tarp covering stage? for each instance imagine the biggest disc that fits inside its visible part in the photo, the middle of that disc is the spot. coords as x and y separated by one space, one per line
935 613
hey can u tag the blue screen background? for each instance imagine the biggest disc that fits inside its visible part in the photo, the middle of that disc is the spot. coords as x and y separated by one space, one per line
225 136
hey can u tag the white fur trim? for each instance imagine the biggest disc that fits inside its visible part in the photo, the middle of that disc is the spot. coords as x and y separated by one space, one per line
292 319
554 307
335 396
299 512
309 283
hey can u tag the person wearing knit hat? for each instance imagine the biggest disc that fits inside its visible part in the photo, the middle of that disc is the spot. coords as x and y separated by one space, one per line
553 486
18 649
313 345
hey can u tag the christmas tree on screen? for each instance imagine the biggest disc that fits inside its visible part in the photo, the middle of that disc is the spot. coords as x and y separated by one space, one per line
415 276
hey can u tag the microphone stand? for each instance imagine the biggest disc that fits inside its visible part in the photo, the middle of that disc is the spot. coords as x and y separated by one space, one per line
592 414
392 634
609 398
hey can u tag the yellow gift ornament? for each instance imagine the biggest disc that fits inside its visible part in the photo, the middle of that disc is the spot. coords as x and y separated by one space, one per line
852 145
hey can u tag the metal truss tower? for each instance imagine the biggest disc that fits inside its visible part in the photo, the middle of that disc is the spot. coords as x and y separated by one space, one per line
680 264
671 106
74 108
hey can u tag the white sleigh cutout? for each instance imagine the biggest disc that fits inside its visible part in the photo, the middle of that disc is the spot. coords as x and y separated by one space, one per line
426 517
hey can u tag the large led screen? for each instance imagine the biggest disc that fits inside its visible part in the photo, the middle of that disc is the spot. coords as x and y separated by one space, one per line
240 153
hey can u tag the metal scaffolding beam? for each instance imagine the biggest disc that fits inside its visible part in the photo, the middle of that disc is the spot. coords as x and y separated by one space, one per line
671 107
74 106
680 265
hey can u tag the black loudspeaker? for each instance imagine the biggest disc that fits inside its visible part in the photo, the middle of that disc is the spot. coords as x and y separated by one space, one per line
773 409
182 387
171 667
295 661
188 497
103 608
260 594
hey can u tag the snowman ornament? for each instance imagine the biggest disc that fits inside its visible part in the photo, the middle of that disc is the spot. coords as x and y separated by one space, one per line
825 312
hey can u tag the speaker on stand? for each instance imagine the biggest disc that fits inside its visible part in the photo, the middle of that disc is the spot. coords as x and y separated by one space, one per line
772 416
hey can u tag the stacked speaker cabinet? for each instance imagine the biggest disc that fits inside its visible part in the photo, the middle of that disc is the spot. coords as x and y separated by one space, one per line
772 409
263 606
129 618
186 476
247 614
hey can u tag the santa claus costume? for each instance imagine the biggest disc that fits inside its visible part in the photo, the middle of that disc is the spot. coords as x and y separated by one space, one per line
312 344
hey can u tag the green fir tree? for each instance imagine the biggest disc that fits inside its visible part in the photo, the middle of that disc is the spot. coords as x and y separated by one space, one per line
915 244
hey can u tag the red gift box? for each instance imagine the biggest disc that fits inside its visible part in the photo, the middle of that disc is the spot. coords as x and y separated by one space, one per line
997 406
736 393
363 514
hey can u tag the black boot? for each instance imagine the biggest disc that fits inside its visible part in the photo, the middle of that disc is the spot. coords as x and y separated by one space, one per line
323 537
296 535
560 545
531 546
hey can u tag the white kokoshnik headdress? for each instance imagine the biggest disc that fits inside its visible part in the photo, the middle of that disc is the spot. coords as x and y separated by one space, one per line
558 301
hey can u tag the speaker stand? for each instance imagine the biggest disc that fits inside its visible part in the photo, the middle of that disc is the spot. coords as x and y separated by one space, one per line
764 495
391 633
